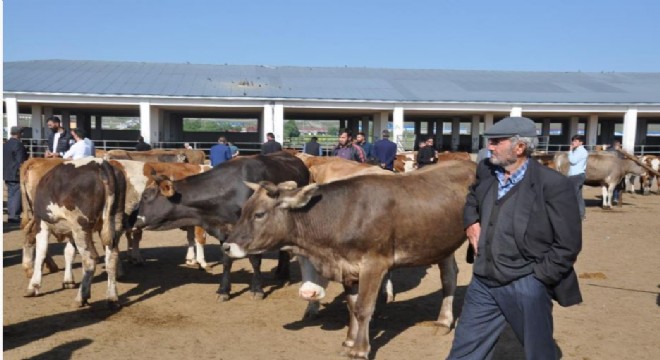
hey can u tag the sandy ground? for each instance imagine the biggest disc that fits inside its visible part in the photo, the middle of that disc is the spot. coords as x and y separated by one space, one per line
170 311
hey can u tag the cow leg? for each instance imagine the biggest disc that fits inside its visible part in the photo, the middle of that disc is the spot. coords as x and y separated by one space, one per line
449 278
41 248
312 288
50 264
388 288
282 270
28 258
353 325
369 282
256 287
134 237
606 196
88 254
111 261
196 240
225 281
69 254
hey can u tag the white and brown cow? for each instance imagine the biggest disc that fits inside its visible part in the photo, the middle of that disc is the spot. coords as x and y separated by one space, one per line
77 199
646 181
320 222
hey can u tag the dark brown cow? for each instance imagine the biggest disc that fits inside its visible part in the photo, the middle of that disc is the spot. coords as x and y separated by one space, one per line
76 199
319 221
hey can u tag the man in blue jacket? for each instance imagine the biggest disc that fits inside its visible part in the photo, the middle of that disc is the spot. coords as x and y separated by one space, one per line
220 152
385 151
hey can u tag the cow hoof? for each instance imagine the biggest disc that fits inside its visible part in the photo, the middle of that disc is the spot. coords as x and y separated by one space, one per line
223 297
258 296
192 263
113 305
442 329
69 285
348 344
389 299
79 303
30 293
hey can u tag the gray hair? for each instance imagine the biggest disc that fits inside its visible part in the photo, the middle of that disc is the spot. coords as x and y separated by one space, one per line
529 142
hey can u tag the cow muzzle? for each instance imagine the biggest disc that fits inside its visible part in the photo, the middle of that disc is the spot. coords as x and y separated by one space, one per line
233 250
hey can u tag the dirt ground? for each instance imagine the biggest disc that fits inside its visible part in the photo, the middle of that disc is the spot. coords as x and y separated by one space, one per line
170 311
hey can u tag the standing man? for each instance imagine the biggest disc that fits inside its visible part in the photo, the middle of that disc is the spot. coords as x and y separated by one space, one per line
426 154
141 145
270 146
385 151
14 154
59 140
220 152
361 141
312 147
80 149
577 158
522 220
345 149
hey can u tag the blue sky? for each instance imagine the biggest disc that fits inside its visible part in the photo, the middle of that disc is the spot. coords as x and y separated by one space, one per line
530 35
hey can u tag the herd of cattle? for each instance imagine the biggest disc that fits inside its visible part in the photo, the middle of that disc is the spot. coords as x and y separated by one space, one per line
347 222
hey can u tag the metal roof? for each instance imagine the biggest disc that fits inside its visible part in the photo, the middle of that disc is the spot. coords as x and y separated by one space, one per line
327 83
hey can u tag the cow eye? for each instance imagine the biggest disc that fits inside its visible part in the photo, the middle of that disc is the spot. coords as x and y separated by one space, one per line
259 215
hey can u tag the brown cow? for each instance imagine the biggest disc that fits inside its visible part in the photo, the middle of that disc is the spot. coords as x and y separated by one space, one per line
159 155
311 160
76 199
604 169
318 221
646 181
341 168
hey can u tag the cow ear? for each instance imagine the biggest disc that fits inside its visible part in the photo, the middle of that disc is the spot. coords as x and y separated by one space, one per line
300 198
166 188
251 185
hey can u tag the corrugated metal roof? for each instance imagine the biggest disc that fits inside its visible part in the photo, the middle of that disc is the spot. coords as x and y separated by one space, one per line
401 85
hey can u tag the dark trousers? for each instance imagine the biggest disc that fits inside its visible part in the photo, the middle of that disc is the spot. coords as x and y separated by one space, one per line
525 304
13 200
578 182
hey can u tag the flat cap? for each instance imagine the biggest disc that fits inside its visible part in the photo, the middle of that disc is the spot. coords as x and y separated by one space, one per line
386 133
512 126
15 130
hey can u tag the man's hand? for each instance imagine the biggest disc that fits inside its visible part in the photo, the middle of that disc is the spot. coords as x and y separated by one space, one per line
473 231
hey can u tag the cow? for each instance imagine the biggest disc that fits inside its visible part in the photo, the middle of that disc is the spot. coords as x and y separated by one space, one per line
213 201
159 155
646 181
342 168
139 175
31 172
604 169
320 222
76 199
311 160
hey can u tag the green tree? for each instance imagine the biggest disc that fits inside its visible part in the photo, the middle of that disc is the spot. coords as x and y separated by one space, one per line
291 129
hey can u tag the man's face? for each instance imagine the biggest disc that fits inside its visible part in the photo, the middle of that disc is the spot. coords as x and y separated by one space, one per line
343 139
429 142
53 126
576 142
503 151
359 138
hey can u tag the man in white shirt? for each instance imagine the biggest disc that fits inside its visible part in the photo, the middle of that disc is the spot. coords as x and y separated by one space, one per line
80 149
577 158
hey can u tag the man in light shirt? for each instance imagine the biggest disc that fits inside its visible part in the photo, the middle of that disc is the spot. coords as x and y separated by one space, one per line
577 158
80 149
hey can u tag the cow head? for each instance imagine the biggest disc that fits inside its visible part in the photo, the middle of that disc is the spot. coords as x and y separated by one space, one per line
158 206
266 220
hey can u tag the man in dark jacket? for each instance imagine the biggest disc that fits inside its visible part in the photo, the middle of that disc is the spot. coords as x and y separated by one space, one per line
59 140
385 151
312 147
270 146
220 152
12 158
361 141
345 148
523 221
141 145
426 154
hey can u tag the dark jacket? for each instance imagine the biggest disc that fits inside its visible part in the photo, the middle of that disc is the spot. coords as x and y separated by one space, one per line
368 149
312 148
14 154
270 146
547 226
63 144
425 156
142 146
350 152
385 152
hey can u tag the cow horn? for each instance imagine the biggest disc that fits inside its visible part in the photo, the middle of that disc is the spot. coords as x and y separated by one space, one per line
272 189
300 198
287 185
252 185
